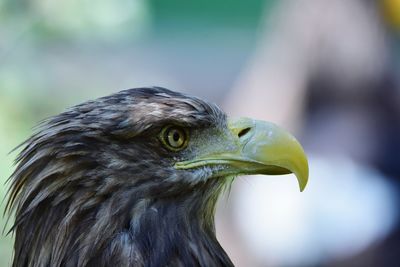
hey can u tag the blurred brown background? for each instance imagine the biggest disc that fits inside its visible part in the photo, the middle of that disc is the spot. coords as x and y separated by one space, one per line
329 71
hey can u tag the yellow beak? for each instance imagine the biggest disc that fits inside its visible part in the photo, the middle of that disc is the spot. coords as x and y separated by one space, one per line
256 147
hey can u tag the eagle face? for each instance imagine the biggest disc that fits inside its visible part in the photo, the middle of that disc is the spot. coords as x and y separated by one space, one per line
132 179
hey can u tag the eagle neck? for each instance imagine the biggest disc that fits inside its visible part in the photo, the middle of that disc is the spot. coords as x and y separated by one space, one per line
178 230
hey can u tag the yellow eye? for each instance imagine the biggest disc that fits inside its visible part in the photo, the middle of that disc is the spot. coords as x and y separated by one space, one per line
174 138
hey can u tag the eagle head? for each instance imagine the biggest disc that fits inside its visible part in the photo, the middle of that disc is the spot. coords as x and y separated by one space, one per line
132 179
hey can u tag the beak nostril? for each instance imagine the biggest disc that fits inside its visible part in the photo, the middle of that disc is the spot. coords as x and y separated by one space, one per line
243 132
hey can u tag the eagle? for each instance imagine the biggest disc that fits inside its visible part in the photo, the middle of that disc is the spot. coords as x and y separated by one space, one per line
132 179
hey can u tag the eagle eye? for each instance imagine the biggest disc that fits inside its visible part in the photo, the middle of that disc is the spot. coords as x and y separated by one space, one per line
174 138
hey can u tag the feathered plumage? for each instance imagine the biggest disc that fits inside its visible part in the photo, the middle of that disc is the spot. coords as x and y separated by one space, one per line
96 185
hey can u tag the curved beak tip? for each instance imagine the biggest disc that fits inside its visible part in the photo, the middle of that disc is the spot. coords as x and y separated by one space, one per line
302 180
301 169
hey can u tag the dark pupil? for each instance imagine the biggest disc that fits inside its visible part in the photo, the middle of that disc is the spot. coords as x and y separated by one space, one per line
176 136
